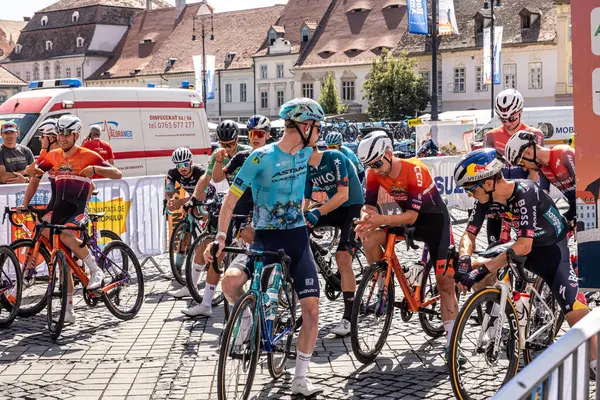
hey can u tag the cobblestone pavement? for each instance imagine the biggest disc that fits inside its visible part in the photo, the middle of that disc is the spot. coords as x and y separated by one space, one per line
163 355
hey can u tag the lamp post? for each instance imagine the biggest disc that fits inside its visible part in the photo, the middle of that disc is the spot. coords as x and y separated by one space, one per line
490 4
204 11
434 78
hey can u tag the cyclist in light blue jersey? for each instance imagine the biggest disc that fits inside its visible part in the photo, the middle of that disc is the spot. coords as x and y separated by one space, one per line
277 175
334 142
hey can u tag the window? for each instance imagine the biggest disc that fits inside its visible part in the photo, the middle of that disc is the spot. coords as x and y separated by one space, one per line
228 93
459 80
79 72
44 20
48 45
510 76
440 86
264 100
263 72
478 26
305 35
279 70
3 98
75 16
569 29
243 97
480 86
570 74
28 76
426 79
525 21
280 97
46 71
80 41
68 72
535 75
348 90
57 71
272 37
307 90
18 48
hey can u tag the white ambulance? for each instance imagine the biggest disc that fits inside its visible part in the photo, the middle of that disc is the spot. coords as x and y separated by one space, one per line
143 125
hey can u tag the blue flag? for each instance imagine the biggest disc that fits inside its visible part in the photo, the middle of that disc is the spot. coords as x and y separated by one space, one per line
417 17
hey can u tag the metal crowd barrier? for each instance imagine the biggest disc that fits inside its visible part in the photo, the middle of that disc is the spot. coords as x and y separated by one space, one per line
562 371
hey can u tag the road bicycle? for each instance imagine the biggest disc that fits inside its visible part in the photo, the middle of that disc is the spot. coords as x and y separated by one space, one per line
262 320
489 332
11 286
33 254
374 302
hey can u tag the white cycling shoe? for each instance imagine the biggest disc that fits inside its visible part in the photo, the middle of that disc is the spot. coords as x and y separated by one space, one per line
180 293
303 386
199 310
96 279
69 316
342 329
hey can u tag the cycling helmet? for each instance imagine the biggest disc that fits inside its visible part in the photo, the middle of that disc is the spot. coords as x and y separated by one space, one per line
477 166
517 144
227 131
180 155
259 123
68 124
508 102
48 127
373 147
333 139
302 109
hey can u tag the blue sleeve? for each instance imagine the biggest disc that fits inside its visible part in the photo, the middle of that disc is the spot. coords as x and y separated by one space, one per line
308 188
340 171
251 167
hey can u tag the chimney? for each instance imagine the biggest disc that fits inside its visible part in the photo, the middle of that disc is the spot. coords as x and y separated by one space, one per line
179 7
26 19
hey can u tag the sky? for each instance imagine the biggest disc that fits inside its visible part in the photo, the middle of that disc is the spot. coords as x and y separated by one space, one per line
26 8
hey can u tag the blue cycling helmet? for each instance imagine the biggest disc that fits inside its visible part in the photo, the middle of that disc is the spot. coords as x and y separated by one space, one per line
259 123
333 139
477 166
302 109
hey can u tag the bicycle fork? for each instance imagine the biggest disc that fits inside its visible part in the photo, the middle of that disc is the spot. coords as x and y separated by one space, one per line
498 322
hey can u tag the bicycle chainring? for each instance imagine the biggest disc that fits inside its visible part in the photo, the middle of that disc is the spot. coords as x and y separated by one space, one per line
404 313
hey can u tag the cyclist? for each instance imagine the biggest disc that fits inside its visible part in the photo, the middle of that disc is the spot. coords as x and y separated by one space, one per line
227 133
557 165
277 175
509 108
541 231
186 174
335 174
73 168
334 142
410 184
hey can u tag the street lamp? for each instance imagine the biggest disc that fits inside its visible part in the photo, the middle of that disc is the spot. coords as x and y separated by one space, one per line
203 13
490 5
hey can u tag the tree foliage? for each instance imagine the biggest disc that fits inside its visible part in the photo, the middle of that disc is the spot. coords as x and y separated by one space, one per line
329 98
394 90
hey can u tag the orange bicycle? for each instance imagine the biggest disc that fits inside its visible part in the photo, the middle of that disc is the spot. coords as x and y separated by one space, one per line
374 300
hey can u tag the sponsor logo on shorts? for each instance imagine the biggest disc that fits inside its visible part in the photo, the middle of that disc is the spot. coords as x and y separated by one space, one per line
472 229
416 207
309 281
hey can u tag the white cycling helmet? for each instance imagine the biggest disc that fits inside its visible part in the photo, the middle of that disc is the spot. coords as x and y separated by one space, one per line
182 154
68 124
517 144
508 102
373 147
48 127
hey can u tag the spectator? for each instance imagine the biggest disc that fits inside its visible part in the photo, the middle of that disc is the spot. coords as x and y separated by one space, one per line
94 143
14 158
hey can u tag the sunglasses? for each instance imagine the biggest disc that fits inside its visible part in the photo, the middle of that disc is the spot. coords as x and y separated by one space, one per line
512 118
185 164
65 132
257 134
229 145
471 189
376 164
332 146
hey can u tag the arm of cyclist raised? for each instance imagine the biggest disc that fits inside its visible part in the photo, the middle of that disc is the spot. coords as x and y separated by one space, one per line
218 172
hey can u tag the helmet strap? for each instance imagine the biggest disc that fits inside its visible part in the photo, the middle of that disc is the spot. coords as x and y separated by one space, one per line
491 192
534 159
305 140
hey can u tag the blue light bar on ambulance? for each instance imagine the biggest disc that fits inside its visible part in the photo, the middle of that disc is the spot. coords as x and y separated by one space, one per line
56 83
185 84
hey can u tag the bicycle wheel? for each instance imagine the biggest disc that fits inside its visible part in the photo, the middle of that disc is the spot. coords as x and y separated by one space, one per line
431 321
122 268
197 290
239 352
539 316
35 276
57 294
485 371
283 325
11 286
107 236
178 249
372 313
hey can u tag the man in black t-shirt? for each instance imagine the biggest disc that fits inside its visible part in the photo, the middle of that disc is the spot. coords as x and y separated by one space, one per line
14 158
185 173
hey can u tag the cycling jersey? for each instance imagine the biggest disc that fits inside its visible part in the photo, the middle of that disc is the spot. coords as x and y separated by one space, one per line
212 161
360 169
277 180
497 139
51 175
560 172
333 171
413 189
233 166
188 184
529 210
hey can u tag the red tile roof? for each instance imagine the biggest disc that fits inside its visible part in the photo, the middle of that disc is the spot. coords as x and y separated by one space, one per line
71 4
8 79
586 197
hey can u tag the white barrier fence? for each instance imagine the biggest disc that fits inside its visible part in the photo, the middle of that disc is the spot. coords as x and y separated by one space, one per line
562 371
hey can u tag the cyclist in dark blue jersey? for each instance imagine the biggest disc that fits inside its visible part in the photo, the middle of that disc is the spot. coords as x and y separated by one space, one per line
334 173
277 175
334 142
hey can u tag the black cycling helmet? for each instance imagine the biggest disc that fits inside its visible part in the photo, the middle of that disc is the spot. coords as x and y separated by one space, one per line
227 131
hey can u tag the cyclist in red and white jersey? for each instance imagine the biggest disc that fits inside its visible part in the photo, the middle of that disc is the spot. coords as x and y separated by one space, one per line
557 165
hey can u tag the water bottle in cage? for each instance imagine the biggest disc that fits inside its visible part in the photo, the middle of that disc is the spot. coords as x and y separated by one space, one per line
521 301
271 297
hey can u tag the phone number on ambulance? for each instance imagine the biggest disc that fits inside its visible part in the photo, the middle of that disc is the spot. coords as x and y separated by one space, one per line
171 125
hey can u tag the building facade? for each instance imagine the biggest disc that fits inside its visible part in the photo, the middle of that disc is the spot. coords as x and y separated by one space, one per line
586 210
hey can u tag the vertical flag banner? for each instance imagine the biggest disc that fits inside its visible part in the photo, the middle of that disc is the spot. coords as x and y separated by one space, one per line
447 18
210 75
498 30
417 17
487 55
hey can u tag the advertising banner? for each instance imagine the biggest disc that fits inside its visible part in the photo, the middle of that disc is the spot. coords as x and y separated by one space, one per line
417 17
487 57
210 75
447 18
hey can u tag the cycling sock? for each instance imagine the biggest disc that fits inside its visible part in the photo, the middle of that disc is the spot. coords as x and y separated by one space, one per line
302 361
196 271
90 263
348 301
209 293
70 302
593 365
448 326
